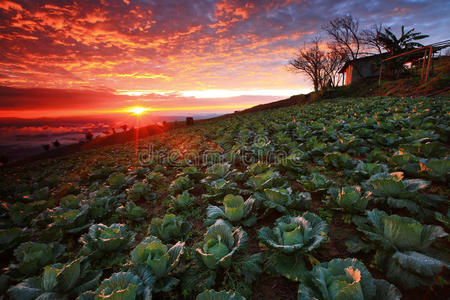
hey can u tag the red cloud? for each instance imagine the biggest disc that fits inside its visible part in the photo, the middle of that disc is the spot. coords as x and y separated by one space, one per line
169 45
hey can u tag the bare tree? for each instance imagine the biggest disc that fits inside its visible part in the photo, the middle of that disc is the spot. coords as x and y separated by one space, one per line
321 67
334 61
310 61
345 36
371 38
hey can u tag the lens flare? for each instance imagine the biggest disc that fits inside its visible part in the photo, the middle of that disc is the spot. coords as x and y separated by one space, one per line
138 110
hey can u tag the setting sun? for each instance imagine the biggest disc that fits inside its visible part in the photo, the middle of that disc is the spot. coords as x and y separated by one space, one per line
138 110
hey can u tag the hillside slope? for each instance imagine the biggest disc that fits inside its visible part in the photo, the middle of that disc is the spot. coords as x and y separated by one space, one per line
409 85
308 184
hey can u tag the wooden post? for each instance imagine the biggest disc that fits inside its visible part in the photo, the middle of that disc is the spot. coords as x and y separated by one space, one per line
429 63
379 76
423 64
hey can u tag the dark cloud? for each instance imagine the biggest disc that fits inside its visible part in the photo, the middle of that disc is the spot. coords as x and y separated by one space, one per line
43 98
104 101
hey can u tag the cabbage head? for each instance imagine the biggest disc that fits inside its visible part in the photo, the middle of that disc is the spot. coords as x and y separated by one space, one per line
348 199
141 191
159 260
315 182
283 199
131 211
182 201
219 170
402 248
343 279
235 210
104 238
120 286
170 227
265 180
223 253
289 240
180 184
220 244
219 188
58 281
32 256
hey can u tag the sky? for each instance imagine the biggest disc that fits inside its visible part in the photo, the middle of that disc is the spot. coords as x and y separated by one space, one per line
66 58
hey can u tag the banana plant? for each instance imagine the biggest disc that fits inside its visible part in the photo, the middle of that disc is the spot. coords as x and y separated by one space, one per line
153 259
223 251
402 248
288 242
235 210
344 279
58 281
169 228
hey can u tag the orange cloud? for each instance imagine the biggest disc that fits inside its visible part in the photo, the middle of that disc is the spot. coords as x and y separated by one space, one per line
9 5
155 45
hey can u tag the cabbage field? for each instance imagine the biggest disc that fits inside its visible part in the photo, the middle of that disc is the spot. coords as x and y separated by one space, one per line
342 199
